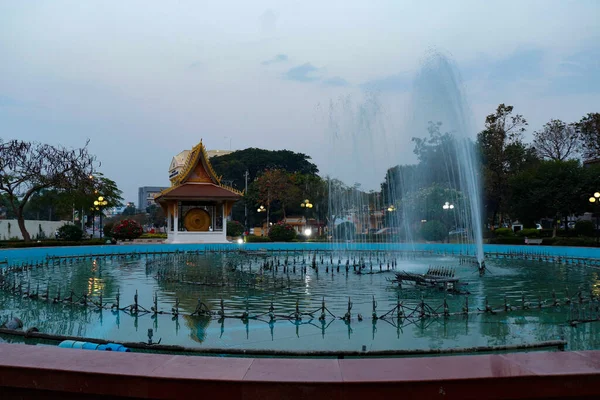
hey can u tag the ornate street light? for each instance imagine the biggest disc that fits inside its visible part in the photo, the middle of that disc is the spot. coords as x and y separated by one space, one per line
98 205
263 209
595 199
448 206
306 204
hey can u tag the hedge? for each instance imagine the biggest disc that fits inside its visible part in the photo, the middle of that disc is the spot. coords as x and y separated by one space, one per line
50 243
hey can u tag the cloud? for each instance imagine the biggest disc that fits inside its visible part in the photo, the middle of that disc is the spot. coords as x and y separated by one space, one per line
302 73
578 74
277 59
336 81
6 101
393 83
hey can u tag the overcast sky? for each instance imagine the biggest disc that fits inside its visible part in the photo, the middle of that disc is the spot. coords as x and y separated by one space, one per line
146 79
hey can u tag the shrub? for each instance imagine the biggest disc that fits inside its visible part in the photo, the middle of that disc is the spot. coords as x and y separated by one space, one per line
510 240
571 233
281 232
530 233
434 231
504 232
345 230
546 233
107 229
234 228
257 239
584 228
50 243
71 233
127 229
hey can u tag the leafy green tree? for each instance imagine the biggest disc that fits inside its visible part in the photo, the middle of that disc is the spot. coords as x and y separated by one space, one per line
551 189
503 155
232 168
437 157
277 186
434 231
589 129
129 210
427 204
26 168
156 216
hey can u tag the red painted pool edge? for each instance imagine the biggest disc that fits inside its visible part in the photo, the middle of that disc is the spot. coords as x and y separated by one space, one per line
50 372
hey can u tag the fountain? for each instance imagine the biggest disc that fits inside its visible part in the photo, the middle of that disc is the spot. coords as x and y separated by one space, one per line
448 164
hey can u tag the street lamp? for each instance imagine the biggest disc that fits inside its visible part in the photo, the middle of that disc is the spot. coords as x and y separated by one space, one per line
263 209
595 199
306 204
391 208
99 204
447 207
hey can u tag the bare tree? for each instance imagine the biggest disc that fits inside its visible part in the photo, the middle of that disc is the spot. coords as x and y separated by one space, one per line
28 167
557 141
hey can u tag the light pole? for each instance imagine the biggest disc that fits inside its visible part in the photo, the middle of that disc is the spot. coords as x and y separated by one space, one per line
99 204
246 204
388 217
306 204
447 207
263 209
595 199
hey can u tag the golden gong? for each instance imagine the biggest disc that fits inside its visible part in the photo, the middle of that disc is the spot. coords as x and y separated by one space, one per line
197 220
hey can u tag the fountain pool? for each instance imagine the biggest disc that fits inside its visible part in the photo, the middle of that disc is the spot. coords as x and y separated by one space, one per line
196 279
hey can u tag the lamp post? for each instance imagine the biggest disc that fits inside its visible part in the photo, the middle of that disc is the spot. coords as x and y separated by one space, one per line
306 204
595 199
447 207
263 209
98 205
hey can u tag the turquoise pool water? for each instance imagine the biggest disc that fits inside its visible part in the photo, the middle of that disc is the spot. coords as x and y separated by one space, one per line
244 284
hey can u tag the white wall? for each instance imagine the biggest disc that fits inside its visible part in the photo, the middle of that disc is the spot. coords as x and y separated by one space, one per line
197 237
9 228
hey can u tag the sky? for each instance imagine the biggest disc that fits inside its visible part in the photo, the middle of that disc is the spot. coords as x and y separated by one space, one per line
144 80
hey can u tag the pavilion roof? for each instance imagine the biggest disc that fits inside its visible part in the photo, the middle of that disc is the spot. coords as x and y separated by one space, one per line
197 180
197 191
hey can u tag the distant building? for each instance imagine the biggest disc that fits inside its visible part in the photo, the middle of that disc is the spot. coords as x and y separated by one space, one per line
146 196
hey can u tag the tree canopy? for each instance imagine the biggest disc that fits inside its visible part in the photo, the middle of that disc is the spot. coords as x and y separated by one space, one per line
27 168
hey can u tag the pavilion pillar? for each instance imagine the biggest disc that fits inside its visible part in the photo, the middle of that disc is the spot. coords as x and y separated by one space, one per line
168 220
175 221
224 220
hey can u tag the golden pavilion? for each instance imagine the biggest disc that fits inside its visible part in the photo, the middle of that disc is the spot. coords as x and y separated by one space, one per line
197 204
